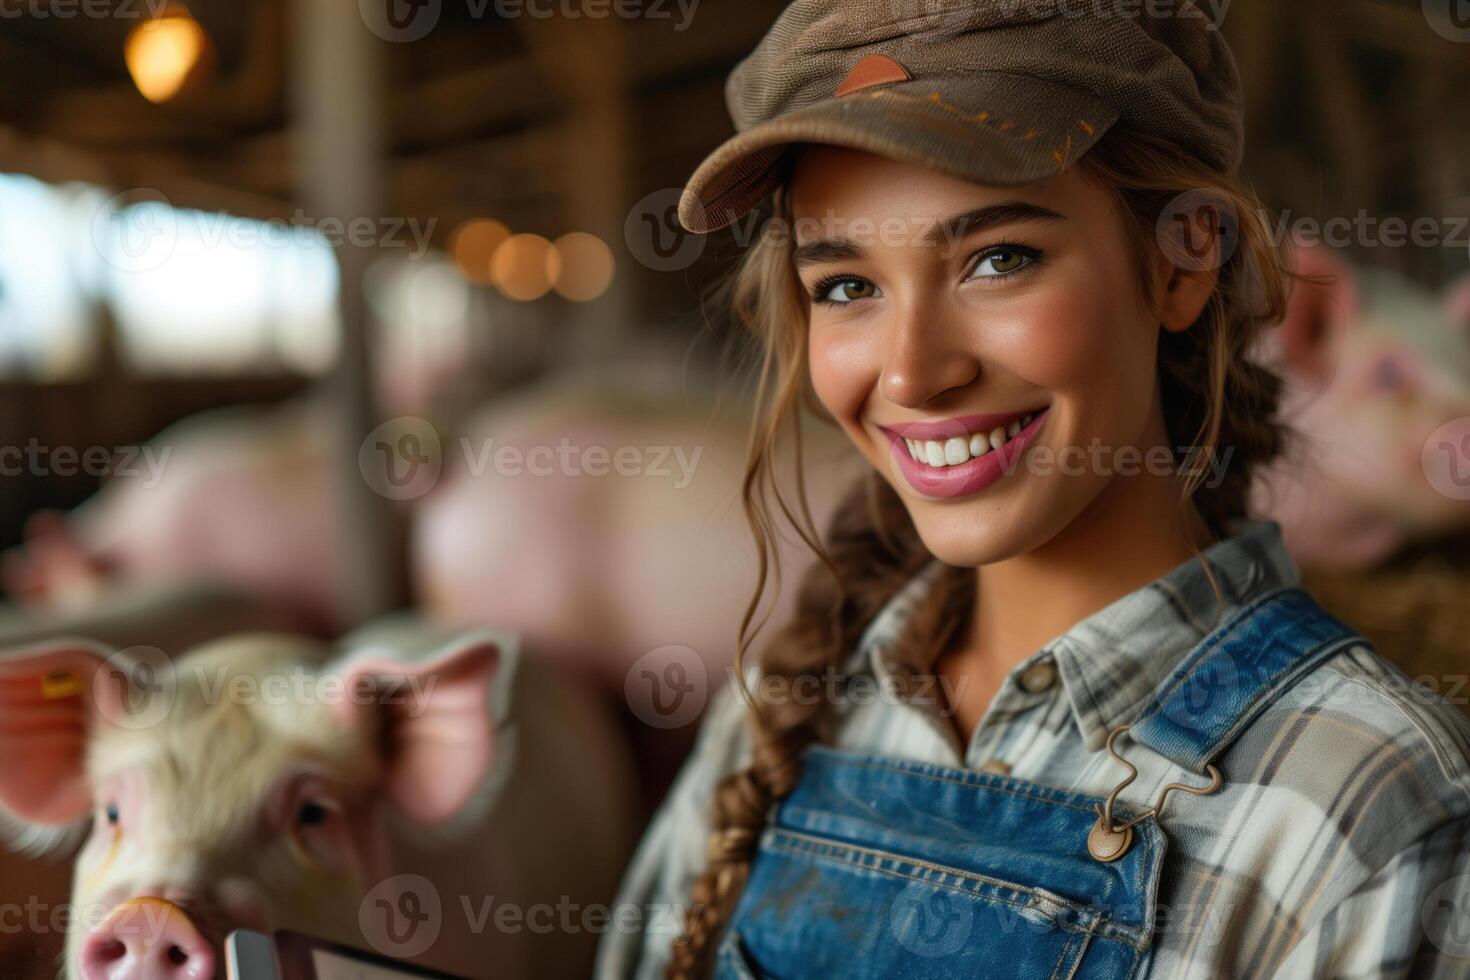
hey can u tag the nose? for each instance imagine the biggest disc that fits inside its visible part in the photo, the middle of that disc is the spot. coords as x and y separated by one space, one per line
146 939
926 355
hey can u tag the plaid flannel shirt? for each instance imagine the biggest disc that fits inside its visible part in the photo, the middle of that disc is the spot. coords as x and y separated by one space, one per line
1339 845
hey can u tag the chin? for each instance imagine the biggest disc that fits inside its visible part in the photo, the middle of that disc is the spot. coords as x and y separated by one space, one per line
970 536
985 529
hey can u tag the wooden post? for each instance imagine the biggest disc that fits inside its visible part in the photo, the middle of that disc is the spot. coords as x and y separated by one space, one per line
337 102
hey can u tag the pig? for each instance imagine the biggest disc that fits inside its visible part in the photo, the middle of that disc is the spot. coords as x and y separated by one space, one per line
261 781
1373 366
244 501
238 496
658 554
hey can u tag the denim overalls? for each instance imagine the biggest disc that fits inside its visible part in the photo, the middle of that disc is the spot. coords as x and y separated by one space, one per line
877 867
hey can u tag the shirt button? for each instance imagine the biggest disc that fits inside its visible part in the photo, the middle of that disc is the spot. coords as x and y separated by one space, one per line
996 766
1039 677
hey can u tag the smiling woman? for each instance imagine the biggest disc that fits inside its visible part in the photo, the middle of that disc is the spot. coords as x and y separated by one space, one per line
1029 287
984 276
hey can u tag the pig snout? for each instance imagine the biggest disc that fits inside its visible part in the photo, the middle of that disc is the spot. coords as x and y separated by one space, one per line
147 939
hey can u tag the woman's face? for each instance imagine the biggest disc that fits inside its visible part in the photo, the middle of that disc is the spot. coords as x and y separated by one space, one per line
989 350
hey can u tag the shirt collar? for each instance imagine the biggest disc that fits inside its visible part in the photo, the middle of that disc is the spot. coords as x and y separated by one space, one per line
1111 662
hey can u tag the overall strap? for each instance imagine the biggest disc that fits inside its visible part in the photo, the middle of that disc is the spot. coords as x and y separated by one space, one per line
1235 672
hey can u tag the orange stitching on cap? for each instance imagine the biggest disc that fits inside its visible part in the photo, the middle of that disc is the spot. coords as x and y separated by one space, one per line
1061 155
939 100
983 117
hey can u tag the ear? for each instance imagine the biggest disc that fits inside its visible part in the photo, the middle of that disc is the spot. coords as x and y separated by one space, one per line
1184 294
435 723
1322 306
50 697
1186 265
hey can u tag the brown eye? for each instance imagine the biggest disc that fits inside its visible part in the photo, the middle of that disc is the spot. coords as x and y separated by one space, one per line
1002 261
846 291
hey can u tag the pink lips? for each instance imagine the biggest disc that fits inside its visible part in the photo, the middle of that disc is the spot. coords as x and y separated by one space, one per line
963 478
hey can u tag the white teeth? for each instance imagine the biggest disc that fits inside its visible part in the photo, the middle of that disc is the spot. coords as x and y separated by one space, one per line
961 449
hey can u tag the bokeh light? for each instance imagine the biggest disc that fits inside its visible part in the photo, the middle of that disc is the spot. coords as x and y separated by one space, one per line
473 245
525 267
162 52
586 266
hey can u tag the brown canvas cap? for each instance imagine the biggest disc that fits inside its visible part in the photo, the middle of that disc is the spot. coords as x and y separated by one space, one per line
1001 92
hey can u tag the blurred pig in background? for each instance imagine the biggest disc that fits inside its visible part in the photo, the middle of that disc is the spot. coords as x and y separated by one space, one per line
243 500
634 521
575 493
260 782
1373 366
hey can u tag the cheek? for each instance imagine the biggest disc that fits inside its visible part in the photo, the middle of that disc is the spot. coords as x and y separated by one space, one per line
845 363
103 853
1093 346
1077 336
97 859
244 903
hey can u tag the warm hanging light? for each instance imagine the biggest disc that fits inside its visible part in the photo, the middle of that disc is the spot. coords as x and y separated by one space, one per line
162 52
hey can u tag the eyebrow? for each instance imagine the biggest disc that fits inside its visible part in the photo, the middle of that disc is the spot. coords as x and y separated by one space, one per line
950 229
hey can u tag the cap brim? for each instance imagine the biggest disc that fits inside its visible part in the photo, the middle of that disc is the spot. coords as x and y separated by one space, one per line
990 127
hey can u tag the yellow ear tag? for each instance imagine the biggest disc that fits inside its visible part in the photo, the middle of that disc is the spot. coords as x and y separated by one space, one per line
63 684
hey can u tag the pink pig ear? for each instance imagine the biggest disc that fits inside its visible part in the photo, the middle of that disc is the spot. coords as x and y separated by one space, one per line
49 701
1320 308
436 722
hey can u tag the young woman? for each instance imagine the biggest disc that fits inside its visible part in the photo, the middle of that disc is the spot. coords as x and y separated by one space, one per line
1050 706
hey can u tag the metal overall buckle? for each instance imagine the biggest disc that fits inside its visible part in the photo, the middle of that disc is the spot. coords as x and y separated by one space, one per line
1108 841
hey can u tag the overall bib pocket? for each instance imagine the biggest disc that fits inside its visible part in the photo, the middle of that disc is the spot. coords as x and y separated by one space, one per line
883 868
